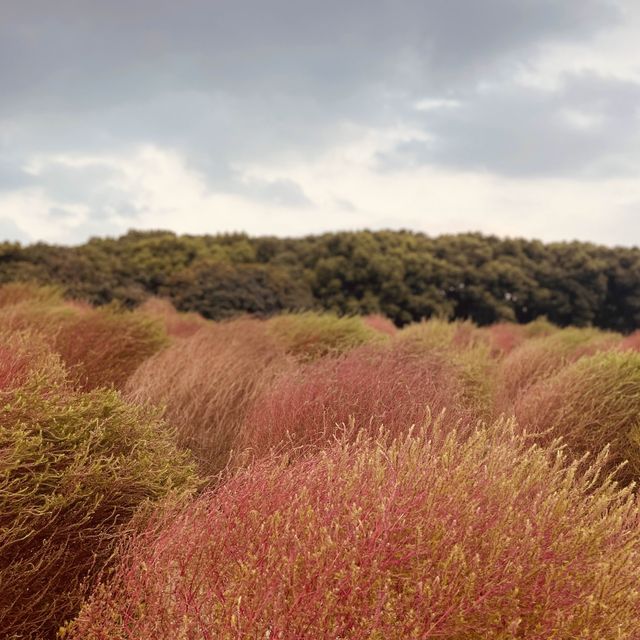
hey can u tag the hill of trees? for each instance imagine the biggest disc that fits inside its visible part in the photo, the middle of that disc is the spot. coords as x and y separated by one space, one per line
403 275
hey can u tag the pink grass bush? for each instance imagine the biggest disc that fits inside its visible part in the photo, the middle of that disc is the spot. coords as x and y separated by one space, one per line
631 342
100 347
207 382
74 470
24 355
309 336
592 403
375 385
103 347
541 357
177 324
433 536
380 323
504 337
466 347
440 334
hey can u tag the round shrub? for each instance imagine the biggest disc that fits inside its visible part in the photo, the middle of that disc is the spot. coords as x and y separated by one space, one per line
463 345
432 536
177 324
440 334
24 355
380 323
504 337
100 347
74 470
103 347
207 382
16 292
309 336
387 385
541 357
592 403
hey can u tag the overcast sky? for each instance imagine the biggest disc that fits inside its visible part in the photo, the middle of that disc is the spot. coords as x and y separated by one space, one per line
287 117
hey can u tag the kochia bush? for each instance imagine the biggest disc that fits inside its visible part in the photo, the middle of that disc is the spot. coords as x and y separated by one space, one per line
592 403
74 469
376 385
541 357
206 383
177 324
431 537
309 335
100 347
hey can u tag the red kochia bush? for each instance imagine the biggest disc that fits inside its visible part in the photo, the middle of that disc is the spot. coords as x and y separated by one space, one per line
100 347
23 354
393 386
380 323
176 323
206 383
434 536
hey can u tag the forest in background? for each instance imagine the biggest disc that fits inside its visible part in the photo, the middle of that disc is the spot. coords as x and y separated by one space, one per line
404 275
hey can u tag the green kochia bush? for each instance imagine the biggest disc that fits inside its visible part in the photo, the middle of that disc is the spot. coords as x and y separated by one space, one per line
434 536
309 336
590 404
543 356
74 469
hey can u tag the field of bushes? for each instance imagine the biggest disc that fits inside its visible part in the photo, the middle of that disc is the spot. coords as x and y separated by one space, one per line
311 476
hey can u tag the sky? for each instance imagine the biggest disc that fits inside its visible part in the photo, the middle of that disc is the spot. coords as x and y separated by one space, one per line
291 117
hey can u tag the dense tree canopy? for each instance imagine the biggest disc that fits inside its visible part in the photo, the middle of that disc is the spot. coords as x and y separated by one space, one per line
405 275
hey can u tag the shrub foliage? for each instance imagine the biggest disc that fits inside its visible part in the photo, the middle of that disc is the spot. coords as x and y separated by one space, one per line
592 403
74 468
432 536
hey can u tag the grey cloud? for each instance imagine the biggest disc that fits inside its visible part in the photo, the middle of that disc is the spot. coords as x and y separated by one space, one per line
588 127
286 193
236 81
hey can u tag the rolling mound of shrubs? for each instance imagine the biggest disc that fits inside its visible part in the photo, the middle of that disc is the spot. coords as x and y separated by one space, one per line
207 382
75 469
374 386
431 536
591 404
100 347
309 336
313 476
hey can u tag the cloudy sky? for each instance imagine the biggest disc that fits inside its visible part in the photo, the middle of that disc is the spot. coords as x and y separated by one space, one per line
287 117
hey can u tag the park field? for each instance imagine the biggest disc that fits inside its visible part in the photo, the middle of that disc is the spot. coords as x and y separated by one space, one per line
313 476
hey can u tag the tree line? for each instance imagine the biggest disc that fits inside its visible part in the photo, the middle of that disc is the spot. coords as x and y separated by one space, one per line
404 275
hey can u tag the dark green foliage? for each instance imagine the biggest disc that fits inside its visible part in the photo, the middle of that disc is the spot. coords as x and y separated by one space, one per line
403 275
220 290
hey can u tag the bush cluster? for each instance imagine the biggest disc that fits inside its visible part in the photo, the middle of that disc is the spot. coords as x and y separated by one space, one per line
310 475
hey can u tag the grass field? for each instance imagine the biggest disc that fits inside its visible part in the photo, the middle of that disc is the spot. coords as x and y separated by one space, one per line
313 476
